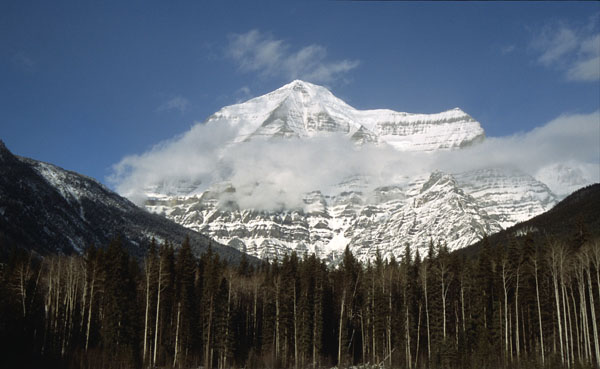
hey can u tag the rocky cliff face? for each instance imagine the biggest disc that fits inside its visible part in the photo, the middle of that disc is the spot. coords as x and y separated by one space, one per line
427 209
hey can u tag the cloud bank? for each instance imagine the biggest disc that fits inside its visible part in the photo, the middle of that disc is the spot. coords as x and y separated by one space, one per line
277 174
254 51
576 51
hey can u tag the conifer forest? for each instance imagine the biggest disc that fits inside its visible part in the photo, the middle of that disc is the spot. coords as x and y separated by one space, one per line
525 304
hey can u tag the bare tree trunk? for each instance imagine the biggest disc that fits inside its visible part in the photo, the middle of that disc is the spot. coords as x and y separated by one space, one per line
456 329
462 304
316 337
408 357
537 294
24 275
208 350
555 255
177 335
89 320
83 300
593 312
341 325
594 254
277 318
228 320
389 323
510 335
57 300
444 290
148 272
526 342
255 310
585 324
373 331
577 333
48 305
517 343
567 321
295 329
424 279
156 320
418 337
507 348
363 339
502 327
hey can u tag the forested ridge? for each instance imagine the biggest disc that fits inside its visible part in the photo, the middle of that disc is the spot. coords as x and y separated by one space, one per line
525 304
580 211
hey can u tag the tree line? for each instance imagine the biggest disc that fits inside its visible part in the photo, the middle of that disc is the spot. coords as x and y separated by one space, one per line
526 304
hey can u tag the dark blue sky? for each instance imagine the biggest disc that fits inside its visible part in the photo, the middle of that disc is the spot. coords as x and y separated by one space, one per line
83 85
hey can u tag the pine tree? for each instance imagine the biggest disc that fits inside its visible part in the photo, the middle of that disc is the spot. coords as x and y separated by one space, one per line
349 300
185 299
210 302
149 278
119 325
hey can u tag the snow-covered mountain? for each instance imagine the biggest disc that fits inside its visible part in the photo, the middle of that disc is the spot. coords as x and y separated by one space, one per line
432 208
456 208
301 109
51 210
566 177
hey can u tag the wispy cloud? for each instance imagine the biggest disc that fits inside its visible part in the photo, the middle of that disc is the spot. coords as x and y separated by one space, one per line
178 103
255 51
242 94
573 50
505 50
21 60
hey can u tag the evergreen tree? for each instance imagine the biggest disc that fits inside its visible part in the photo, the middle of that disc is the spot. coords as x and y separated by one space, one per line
185 299
120 329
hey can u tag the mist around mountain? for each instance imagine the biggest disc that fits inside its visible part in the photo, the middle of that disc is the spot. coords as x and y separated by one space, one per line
300 170
329 141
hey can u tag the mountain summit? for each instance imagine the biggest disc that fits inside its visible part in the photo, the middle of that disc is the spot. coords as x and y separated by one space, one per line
302 109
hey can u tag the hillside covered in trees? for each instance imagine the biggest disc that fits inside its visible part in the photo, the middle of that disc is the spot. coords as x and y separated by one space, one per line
525 304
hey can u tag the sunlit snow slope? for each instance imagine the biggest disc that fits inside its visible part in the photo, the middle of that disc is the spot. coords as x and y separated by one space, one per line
302 109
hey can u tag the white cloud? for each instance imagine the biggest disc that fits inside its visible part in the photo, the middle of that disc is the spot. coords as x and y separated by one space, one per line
242 94
568 138
555 44
587 67
258 52
190 158
277 173
23 61
507 49
576 51
178 103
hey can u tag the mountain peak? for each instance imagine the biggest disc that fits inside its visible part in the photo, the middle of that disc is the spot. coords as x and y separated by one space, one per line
308 92
301 109
298 83
4 151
